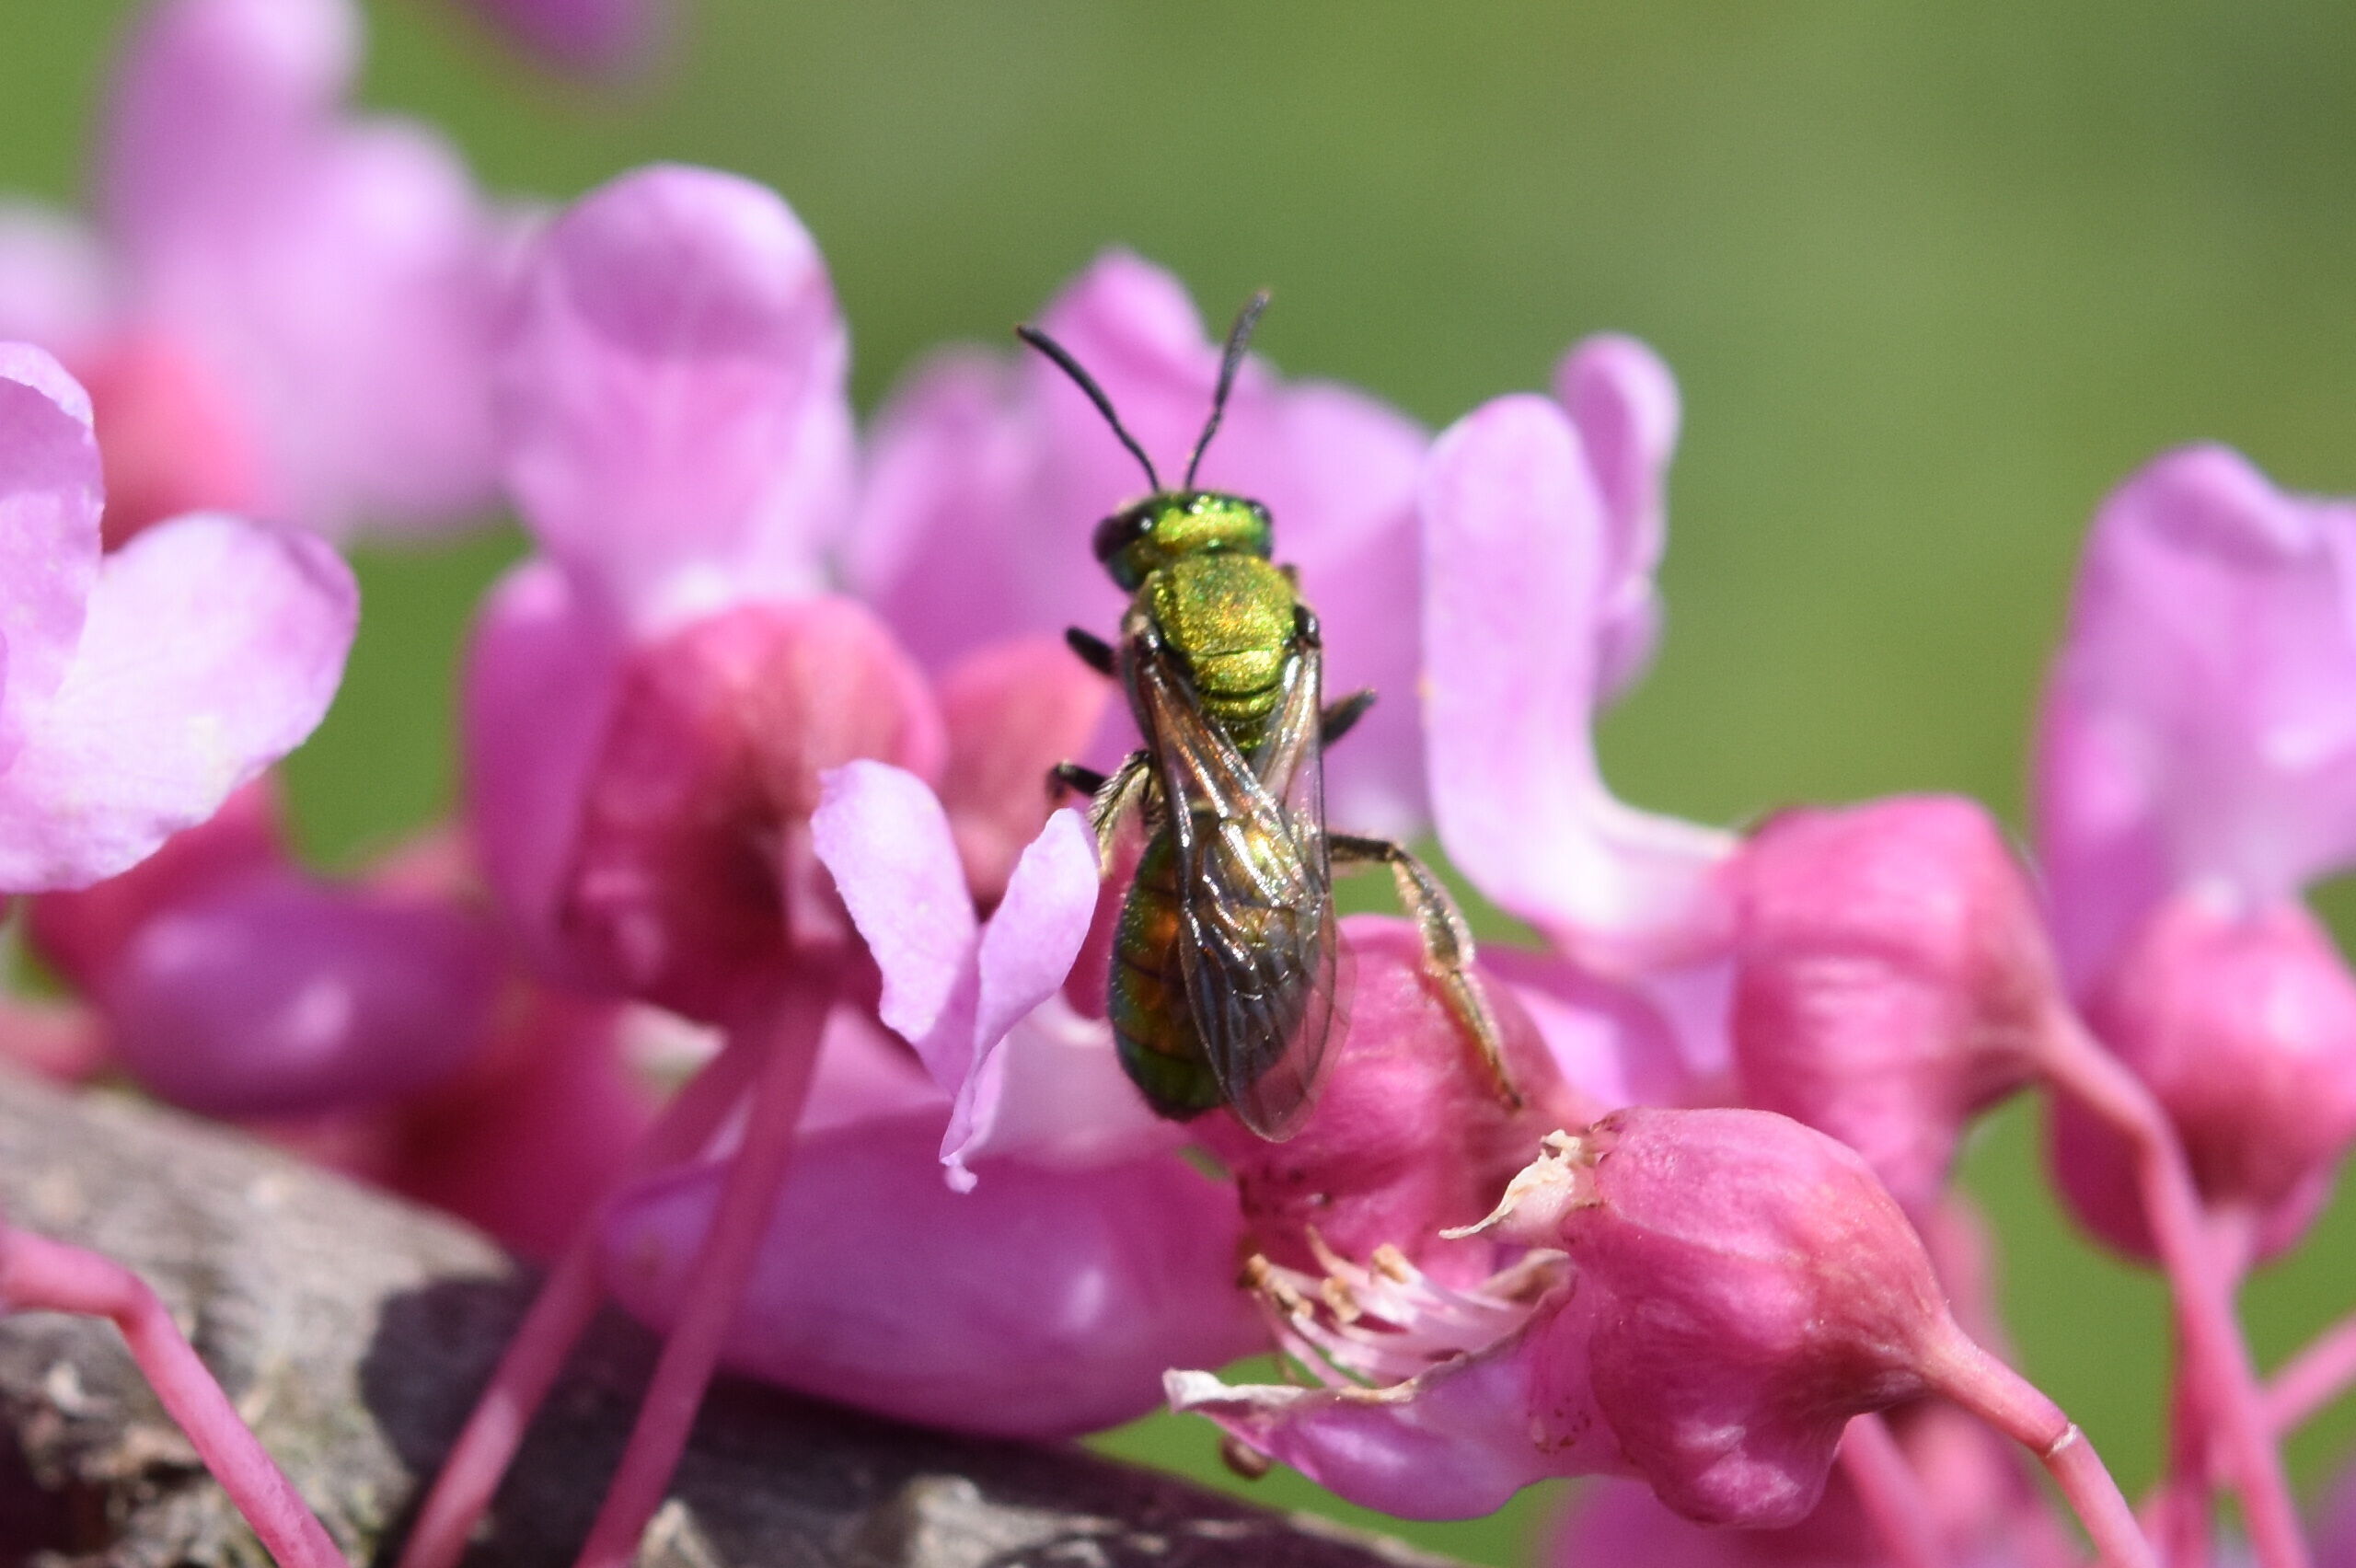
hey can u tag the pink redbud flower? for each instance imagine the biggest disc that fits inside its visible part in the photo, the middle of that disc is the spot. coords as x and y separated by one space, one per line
987 471
1727 1289
2196 770
285 309
139 690
650 703
1893 978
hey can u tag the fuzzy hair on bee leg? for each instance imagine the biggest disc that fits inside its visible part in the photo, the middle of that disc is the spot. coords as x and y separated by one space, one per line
1110 800
1448 945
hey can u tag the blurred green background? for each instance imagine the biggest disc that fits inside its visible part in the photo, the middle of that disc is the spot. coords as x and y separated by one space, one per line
1932 279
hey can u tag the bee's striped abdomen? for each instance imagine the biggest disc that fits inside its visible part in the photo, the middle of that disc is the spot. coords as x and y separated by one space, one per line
1146 998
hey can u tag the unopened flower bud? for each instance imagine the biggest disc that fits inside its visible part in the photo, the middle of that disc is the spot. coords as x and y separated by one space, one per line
2244 1025
1893 977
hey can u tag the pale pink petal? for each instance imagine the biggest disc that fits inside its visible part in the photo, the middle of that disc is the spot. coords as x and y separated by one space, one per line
209 95
337 278
538 695
1051 1093
1514 554
598 37
281 996
883 835
212 648
947 545
49 501
57 284
1623 400
2200 724
1455 1441
1038 1304
671 396
1084 1108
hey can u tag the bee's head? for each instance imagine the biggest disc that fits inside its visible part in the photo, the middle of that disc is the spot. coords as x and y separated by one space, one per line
1170 522
1137 540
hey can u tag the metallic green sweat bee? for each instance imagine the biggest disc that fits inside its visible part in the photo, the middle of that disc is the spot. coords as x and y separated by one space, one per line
1225 985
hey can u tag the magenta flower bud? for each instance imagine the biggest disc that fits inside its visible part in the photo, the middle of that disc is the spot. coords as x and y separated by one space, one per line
1410 1137
1736 1287
2244 1025
1768 1289
686 881
1893 978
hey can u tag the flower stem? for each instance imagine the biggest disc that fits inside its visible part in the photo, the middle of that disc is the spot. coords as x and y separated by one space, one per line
2009 1402
2313 1378
716 1281
1890 1493
561 1313
40 1275
2217 1358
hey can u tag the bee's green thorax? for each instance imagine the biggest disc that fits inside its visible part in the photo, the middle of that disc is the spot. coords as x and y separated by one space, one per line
1233 620
1176 526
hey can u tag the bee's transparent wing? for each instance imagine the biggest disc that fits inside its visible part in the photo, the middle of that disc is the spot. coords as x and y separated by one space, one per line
1257 948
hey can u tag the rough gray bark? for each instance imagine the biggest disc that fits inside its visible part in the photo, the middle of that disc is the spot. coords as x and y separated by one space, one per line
353 1331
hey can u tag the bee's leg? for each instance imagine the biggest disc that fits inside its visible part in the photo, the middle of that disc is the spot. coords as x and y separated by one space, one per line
1110 800
1447 947
1069 777
1093 651
1341 714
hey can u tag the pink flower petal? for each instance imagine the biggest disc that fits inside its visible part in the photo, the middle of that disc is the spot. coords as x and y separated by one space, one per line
1085 1109
337 278
213 648
1039 1304
1514 549
883 835
282 996
671 396
2198 726
50 501
946 544
539 687
1455 1441
1623 400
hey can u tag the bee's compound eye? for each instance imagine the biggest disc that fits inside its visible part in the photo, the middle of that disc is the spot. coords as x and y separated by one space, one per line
1121 530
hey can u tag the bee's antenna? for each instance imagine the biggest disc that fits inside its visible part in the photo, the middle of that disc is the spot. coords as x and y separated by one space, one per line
1087 383
1237 335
